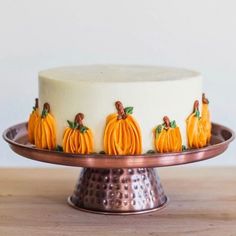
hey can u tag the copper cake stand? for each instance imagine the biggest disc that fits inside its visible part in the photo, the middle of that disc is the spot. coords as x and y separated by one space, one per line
119 185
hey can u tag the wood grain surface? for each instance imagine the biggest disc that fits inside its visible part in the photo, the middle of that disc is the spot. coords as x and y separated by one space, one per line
202 202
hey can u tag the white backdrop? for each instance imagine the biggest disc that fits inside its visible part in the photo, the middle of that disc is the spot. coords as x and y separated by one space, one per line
35 35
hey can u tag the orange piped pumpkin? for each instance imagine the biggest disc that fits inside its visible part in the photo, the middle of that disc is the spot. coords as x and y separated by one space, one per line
168 137
77 138
206 119
45 130
32 121
195 130
122 134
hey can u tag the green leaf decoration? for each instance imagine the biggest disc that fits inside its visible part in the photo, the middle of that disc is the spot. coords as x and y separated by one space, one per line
59 148
184 148
83 129
129 110
173 124
151 152
33 110
159 129
197 113
44 113
72 125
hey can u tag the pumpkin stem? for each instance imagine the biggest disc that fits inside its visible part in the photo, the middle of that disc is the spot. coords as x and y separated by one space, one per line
79 118
46 107
46 110
196 109
196 106
120 110
36 103
166 121
204 99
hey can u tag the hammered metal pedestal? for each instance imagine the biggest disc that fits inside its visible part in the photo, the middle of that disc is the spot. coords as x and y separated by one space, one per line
118 191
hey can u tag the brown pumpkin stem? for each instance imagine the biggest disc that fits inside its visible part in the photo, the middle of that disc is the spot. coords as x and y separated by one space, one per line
196 106
79 118
166 121
204 99
36 103
46 107
120 110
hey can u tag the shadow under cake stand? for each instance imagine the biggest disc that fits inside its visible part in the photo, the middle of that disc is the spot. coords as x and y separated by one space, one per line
119 185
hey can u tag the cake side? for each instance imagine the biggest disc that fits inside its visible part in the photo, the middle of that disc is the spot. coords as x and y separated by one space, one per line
151 99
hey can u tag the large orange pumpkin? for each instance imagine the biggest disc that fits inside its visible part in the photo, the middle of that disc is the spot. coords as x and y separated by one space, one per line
45 130
195 131
32 121
206 119
78 138
122 134
168 137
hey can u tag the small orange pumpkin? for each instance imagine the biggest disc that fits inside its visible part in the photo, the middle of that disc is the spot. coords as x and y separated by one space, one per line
45 130
78 138
122 134
32 121
168 137
195 130
206 119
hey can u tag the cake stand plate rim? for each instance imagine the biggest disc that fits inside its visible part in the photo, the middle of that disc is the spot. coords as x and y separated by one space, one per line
13 134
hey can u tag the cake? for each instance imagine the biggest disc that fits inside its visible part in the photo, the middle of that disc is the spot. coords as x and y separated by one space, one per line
120 109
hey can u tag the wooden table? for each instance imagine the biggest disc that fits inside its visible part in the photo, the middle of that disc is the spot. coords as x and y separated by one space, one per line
202 202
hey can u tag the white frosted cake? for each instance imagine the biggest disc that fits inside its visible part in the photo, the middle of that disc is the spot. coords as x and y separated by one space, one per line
153 92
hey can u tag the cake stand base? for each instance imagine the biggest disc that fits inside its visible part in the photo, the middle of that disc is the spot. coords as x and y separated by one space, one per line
118 191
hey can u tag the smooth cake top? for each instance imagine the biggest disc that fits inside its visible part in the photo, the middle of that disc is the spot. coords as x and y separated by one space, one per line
117 73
